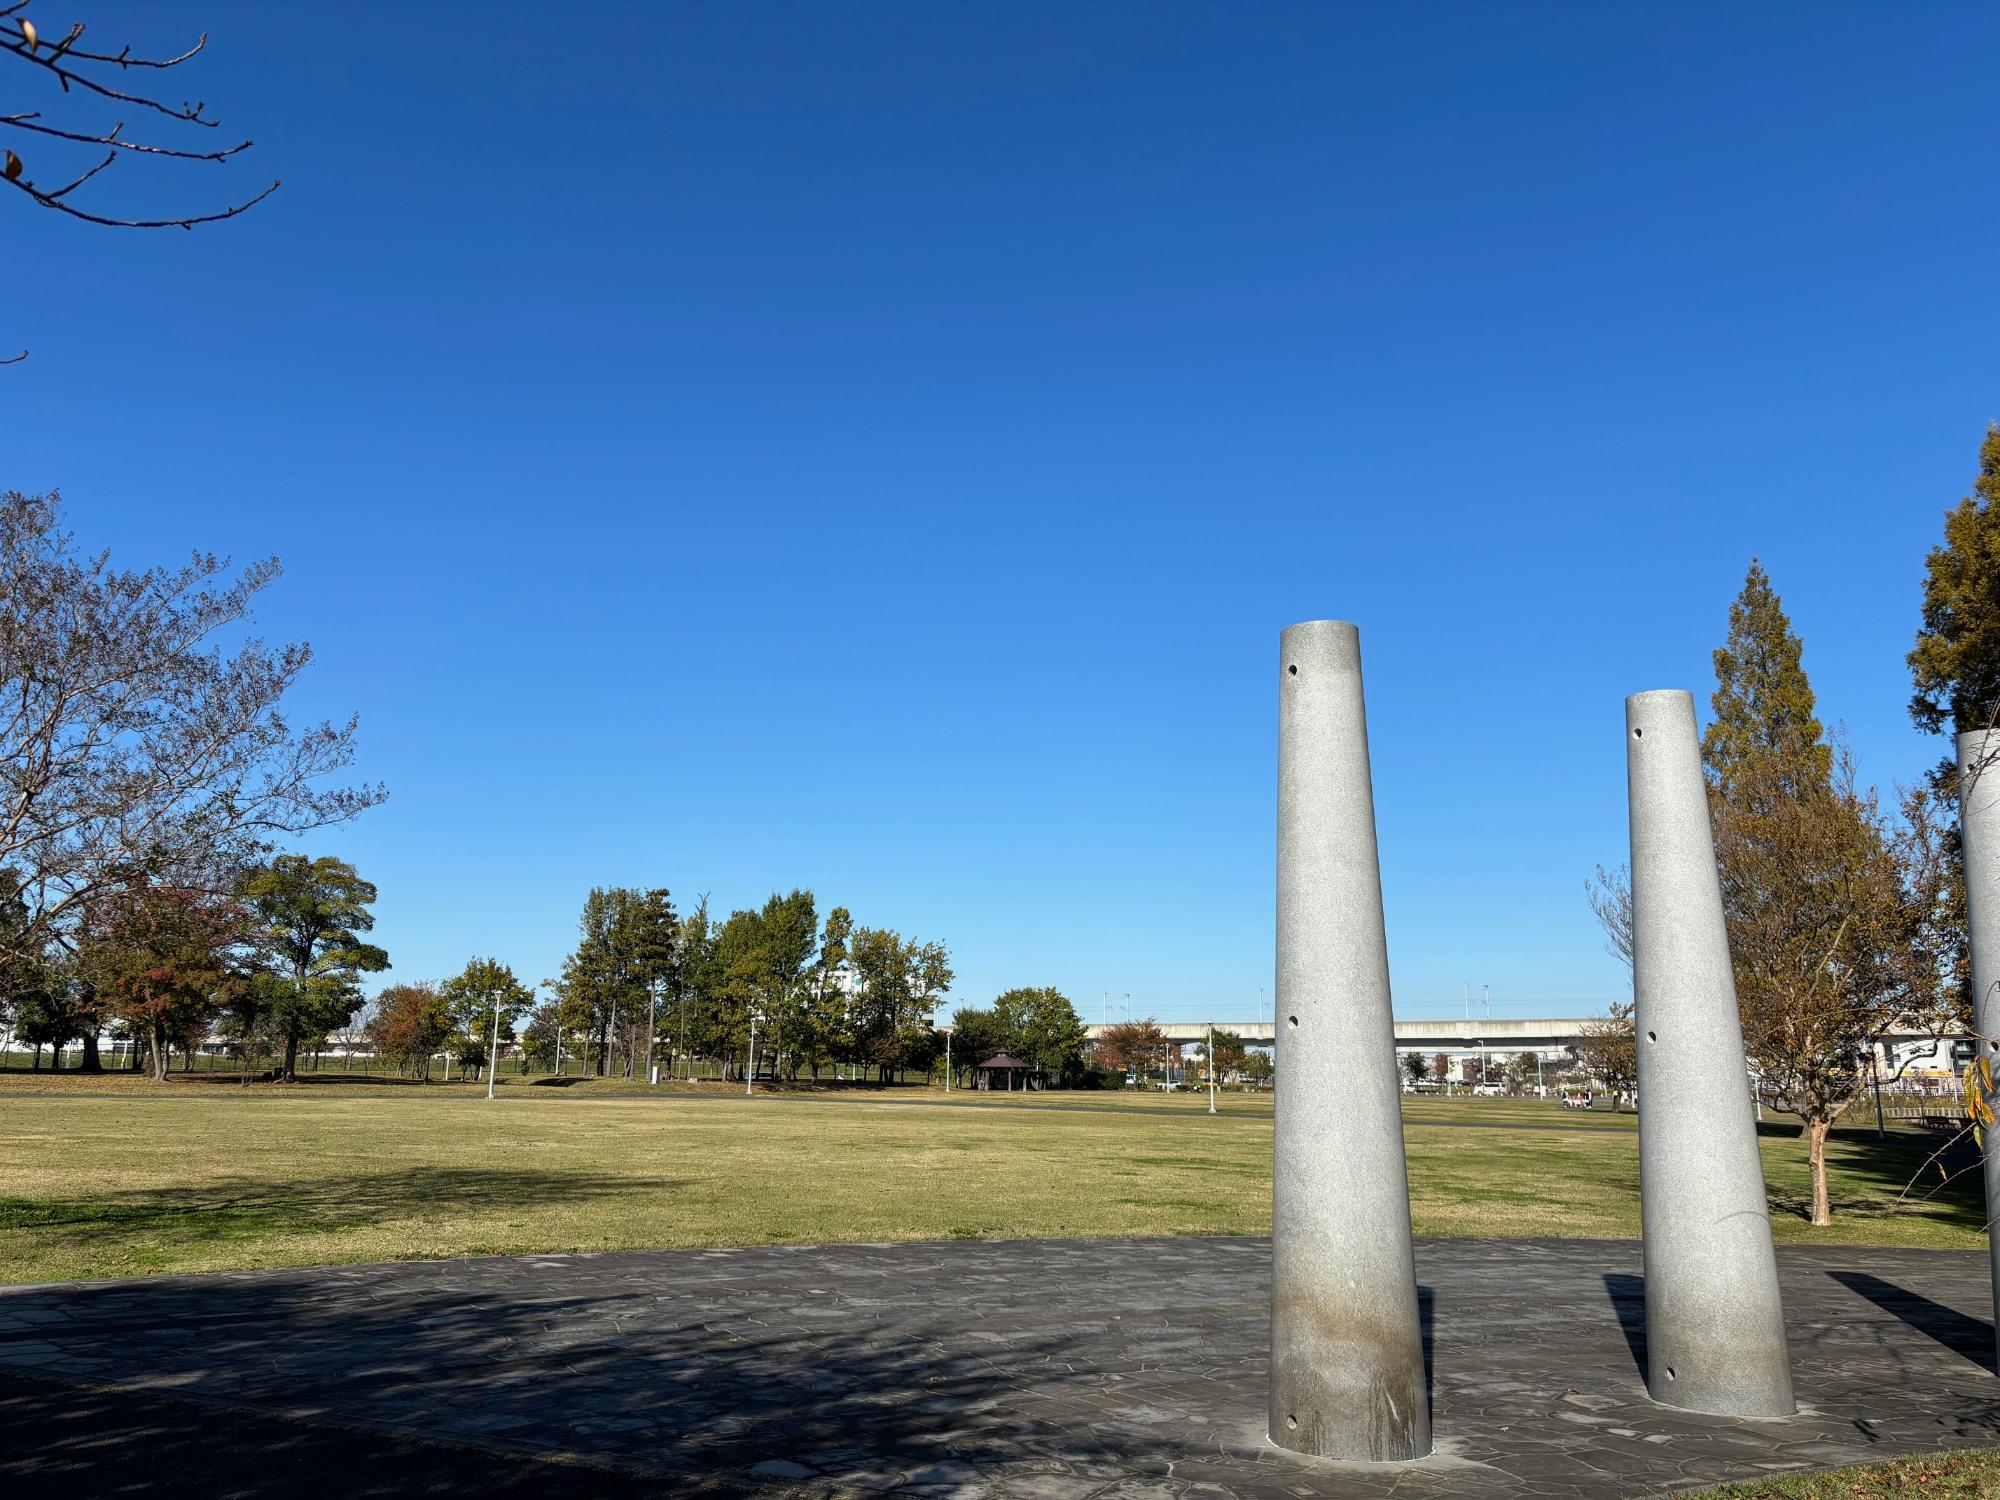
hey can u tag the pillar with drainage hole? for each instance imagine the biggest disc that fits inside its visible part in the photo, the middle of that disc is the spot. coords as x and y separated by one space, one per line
1979 834
1347 1354
1715 1328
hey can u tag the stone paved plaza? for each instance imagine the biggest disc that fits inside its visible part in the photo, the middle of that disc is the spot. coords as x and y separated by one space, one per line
1029 1369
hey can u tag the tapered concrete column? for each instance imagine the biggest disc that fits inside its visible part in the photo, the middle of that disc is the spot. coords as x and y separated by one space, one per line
1715 1329
1347 1357
1979 830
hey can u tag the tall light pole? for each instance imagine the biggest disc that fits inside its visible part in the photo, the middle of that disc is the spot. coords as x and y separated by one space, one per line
493 1055
652 1031
947 1062
1211 1067
750 1073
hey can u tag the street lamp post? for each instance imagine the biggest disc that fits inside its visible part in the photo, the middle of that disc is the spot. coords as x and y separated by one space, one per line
493 1056
750 1074
1211 1067
652 1032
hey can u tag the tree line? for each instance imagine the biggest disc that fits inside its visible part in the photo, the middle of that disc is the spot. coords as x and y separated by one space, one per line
774 987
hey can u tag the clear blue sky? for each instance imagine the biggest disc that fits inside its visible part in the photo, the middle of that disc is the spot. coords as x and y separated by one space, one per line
875 447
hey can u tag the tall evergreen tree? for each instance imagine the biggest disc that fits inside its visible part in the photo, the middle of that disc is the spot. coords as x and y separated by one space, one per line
1956 661
1766 738
609 983
1826 902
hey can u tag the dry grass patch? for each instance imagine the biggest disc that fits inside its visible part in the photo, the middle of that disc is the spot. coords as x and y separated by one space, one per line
105 1178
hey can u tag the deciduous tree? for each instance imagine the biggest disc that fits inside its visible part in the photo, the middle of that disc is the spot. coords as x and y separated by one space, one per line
309 915
481 997
1132 1046
1041 1026
410 1026
976 1035
163 959
133 747
1607 1054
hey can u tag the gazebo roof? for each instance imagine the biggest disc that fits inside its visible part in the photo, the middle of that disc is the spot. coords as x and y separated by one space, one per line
1003 1060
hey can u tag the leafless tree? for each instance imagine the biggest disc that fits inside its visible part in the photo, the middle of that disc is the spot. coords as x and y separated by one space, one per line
98 90
1607 1052
132 745
1610 895
1840 936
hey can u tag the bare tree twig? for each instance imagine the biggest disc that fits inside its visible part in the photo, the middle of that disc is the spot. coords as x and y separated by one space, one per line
188 221
112 139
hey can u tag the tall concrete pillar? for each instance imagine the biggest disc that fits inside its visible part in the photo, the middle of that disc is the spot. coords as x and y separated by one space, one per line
1979 830
1347 1357
1715 1329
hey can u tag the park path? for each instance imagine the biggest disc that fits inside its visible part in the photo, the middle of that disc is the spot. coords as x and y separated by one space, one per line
1111 1369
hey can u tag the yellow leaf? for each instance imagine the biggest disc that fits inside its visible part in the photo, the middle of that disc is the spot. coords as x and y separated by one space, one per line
13 167
28 31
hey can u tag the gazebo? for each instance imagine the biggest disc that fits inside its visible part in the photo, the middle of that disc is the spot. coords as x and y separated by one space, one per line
1003 1067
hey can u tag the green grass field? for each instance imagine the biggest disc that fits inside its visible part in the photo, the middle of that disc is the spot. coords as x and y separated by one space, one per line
117 1176
1961 1474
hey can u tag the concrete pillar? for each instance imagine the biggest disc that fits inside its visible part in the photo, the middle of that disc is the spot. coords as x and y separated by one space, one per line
1715 1329
1347 1357
1979 829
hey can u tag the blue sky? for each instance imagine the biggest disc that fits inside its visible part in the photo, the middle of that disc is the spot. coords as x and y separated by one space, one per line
876 447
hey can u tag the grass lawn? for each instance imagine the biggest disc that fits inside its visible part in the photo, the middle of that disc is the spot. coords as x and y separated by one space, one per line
1964 1474
116 1176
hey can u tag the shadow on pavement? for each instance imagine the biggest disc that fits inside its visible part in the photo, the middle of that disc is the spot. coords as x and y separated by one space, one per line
58 1439
1970 1337
1628 1300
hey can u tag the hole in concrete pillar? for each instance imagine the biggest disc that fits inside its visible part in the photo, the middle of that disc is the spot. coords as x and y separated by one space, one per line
1638 733
1293 670
1293 1020
1292 1423
1670 1372
1652 1036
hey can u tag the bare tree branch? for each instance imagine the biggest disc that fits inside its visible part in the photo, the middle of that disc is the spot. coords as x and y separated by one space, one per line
113 139
78 71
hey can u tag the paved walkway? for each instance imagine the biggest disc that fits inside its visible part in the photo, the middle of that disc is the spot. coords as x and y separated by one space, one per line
1108 1369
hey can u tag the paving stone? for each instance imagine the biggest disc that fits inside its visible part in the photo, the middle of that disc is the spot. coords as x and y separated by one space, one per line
1031 1368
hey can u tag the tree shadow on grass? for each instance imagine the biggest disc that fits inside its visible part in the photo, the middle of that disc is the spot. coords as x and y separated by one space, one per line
1929 1177
250 1209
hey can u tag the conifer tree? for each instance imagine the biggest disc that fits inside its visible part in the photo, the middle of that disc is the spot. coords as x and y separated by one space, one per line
1766 739
1827 902
1956 661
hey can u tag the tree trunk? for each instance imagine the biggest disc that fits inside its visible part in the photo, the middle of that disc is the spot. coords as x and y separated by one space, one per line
1822 1207
91 1063
162 1057
291 1071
